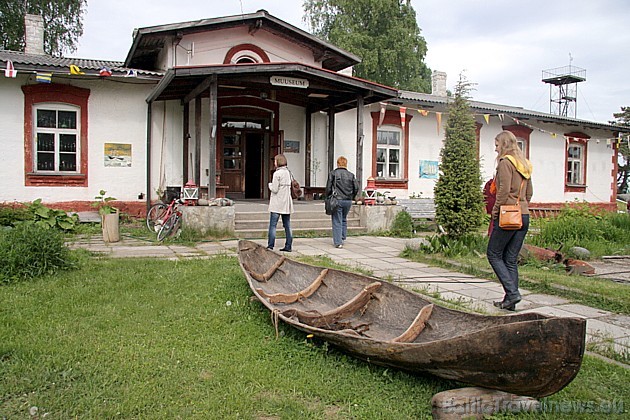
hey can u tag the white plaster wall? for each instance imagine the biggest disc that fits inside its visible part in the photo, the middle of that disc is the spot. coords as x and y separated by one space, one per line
12 139
212 47
293 121
117 114
167 146
319 149
547 155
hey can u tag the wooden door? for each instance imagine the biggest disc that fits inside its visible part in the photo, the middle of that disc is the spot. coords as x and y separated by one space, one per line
232 170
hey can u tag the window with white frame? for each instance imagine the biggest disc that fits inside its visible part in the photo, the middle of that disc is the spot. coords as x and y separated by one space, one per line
575 164
388 153
56 138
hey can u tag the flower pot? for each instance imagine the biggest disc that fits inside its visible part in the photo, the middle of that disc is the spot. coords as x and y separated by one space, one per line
110 224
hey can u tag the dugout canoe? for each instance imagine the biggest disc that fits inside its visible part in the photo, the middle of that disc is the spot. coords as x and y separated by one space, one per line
377 321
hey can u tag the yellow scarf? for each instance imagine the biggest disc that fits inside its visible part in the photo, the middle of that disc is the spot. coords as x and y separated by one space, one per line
523 169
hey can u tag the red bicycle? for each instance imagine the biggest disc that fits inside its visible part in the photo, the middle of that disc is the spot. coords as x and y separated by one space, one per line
165 219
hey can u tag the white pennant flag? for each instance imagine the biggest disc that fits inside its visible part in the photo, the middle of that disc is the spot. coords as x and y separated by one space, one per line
10 70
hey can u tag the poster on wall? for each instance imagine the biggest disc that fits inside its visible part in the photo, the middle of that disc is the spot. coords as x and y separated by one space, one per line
118 155
429 169
291 146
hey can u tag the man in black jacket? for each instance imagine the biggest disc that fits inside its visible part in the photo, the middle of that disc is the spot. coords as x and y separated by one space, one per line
343 184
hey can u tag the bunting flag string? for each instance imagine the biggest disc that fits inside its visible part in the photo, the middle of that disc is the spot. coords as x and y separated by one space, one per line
501 116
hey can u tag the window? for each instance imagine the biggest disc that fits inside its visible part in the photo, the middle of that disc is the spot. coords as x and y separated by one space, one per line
246 54
390 150
522 134
576 153
55 135
575 164
388 153
56 138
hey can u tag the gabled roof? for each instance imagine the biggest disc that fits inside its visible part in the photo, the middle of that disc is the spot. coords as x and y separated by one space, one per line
149 41
47 63
325 89
441 102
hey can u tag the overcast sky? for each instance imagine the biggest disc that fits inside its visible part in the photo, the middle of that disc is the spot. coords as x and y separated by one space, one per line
500 45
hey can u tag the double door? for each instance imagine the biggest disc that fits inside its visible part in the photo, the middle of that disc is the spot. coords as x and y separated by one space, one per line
241 163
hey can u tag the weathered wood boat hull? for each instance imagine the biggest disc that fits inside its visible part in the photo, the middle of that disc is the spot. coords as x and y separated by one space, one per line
525 354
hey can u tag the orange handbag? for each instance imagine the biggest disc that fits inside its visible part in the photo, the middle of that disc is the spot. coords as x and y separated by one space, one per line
510 217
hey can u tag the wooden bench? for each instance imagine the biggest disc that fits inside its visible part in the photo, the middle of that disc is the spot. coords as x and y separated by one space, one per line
419 208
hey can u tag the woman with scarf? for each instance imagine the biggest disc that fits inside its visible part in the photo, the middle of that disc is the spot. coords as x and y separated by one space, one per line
513 183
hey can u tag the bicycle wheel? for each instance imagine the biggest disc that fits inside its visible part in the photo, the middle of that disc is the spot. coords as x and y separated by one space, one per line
155 213
168 227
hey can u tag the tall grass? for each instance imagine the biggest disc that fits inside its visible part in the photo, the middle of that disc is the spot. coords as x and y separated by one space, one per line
579 225
30 250
163 339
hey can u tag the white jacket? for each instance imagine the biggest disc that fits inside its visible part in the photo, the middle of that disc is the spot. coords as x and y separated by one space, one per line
280 187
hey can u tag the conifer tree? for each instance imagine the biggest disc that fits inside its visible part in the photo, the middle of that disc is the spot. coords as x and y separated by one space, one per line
458 193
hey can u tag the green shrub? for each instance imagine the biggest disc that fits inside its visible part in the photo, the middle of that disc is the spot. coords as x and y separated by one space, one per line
29 250
11 214
403 225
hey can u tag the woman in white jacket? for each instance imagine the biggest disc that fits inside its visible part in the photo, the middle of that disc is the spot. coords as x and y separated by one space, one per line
280 203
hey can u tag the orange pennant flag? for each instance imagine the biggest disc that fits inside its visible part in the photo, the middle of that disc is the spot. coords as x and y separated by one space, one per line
403 114
438 115
423 112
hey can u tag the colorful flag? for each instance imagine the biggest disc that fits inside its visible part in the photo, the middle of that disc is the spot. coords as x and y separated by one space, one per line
130 73
423 112
105 72
487 118
403 115
75 69
10 71
43 77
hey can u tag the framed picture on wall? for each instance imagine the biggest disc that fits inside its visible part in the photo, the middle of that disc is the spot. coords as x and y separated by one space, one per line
291 146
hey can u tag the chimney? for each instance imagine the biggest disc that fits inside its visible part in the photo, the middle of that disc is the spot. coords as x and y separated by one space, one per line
33 34
438 83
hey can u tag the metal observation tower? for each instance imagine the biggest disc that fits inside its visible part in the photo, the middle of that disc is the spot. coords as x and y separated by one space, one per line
563 89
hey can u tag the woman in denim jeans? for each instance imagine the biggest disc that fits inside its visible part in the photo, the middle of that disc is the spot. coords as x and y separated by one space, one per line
513 183
280 203
343 184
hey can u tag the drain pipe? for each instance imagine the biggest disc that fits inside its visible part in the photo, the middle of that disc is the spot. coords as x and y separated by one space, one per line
149 125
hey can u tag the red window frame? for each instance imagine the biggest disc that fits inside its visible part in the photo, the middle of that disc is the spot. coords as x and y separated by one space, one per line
54 93
392 118
573 139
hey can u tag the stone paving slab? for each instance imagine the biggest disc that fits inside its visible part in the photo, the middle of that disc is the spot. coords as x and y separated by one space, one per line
585 311
597 327
546 300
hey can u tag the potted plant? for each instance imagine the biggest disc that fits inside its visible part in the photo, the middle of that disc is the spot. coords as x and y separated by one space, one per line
110 217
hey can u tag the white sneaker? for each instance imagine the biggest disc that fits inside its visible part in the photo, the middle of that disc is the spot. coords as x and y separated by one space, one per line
338 246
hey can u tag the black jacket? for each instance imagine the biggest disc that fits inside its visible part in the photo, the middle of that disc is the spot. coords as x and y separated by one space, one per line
346 184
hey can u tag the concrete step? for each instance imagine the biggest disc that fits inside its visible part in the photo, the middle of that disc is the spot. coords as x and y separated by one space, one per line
254 224
262 233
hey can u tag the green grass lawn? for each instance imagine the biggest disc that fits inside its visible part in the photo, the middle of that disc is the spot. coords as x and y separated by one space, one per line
163 339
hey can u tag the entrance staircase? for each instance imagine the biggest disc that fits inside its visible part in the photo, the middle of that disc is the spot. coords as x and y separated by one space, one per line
252 220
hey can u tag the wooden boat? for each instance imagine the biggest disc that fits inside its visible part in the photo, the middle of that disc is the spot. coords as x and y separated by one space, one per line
525 354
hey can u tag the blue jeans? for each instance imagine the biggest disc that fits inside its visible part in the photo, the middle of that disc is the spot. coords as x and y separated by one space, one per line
503 249
340 221
273 222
